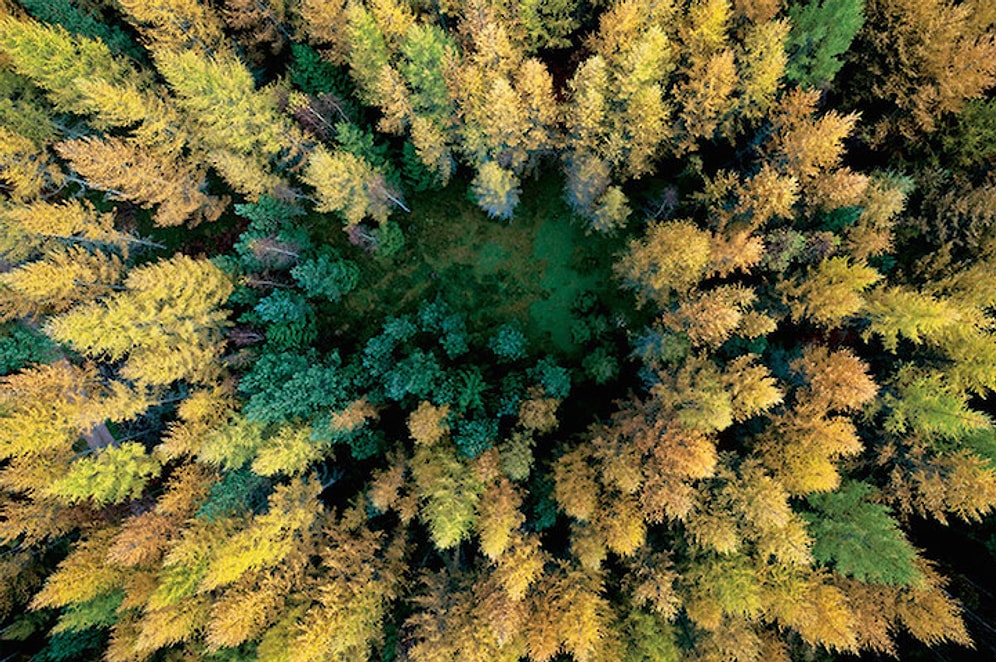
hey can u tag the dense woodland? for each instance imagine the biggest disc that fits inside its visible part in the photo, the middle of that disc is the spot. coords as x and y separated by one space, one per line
497 330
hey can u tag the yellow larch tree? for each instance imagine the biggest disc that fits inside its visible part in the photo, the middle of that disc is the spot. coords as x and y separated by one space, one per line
177 25
348 185
148 177
62 279
55 60
166 322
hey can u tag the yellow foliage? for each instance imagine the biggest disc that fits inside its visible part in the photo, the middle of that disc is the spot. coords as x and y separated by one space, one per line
827 619
539 414
762 66
167 322
499 517
706 27
47 408
325 24
170 625
575 605
83 575
831 292
841 188
244 610
269 538
714 527
59 281
623 526
588 545
706 98
290 451
26 168
671 257
575 484
710 317
899 311
929 612
145 176
386 484
348 185
804 146
143 539
449 493
753 389
960 483
800 449
177 25
427 424
201 412
838 380
768 194
722 586
520 565
55 59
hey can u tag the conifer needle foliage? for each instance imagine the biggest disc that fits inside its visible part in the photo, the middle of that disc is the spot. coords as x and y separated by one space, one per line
348 330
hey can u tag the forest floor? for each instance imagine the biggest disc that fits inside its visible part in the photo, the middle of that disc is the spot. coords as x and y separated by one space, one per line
531 270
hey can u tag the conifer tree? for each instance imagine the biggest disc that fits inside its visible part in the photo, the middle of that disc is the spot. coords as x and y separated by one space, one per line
59 281
116 474
821 33
349 185
927 58
228 112
496 190
672 257
166 322
148 177
55 60
177 25
25 167
72 222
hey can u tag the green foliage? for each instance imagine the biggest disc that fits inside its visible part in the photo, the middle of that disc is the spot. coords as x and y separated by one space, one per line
508 343
238 492
326 275
601 365
100 612
415 176
555 380
82 21
21 346
416 375
426 49
313 75
649 639
390 239
287 386
474 436
22 110
822 31
72 645
972 140
860 538
362 144
925 405
549 23
590 431
290 320
116 474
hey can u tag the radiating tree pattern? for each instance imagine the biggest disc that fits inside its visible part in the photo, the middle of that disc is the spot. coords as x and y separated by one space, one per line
632 330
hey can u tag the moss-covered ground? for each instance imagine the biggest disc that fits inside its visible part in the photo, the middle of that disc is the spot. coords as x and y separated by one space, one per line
531 270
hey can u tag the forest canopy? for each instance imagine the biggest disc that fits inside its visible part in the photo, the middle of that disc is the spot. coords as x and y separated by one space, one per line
496 330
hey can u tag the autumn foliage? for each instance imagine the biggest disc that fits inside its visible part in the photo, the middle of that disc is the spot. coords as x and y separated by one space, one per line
258 403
